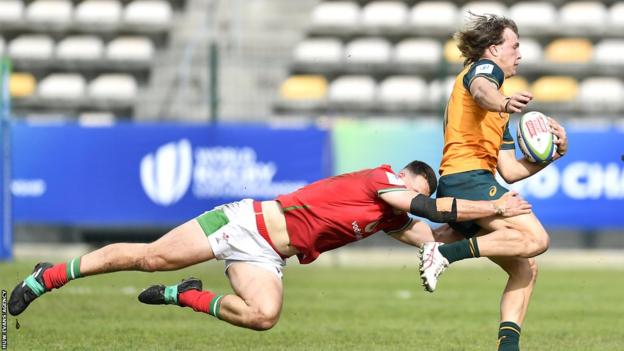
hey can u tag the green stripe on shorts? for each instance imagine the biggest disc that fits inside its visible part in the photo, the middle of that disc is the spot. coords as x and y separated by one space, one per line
211 221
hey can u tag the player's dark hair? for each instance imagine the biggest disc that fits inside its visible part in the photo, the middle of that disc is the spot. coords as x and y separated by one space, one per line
481 32
422 169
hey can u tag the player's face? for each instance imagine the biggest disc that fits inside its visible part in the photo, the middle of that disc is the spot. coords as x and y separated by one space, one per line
418 184
509 53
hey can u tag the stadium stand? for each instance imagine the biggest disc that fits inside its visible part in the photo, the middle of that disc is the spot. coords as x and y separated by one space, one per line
11 11
562 43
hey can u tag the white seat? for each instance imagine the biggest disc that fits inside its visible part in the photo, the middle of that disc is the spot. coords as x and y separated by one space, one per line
601 94
98 12
11 10
533 15
352 89
80 47
583 15
531 51
113 87
418 51
1 46
340 14
434 14
319 50
440 90
368 50
31 47
616 15
482 8
96 118
64 86
609 51
50 11
130 48
148 12
403 92
386 14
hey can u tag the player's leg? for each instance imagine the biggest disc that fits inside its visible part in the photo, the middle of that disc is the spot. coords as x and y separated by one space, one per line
255 304
515 300
183 246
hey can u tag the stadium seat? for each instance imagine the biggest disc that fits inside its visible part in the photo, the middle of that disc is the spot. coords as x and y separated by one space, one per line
356 90
602 94
22 85
130 48
440 90
418 51
384 14
11 11
57 12
534 15
1 46
31 47
531 51
569 50
98 12
63 86
113 87
515 84
438 15
583 15
80 47
336 14
555 89
616 16
96 118
304 88
452 53
481 8
403 93
319 51
148 13
367 51
609 51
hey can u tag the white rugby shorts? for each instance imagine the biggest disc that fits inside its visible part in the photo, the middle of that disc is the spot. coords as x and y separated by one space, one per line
238 240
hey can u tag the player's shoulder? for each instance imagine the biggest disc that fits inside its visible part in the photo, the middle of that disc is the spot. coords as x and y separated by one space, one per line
385 174
484 68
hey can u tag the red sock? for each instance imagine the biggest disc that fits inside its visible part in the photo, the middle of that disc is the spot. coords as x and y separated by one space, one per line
201 301
55 276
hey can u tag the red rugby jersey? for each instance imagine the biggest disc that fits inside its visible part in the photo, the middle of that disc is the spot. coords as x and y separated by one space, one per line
336 211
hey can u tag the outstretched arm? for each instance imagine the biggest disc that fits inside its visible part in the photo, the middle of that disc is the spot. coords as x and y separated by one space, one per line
448 209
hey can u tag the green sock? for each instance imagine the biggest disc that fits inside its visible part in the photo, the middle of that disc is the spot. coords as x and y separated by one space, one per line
460 250
509 337
72 268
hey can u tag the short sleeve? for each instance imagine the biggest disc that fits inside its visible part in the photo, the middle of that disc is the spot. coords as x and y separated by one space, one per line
508 141
398 223
486 69
384 180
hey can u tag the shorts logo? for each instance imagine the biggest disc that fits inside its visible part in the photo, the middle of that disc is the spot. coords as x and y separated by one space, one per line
225 237
492 191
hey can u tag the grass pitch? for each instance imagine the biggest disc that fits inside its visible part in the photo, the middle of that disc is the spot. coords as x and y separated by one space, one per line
327 308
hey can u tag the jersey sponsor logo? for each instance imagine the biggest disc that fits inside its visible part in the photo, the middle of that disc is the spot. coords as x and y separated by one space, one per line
166 174
393 179
485 68
492 191
356 230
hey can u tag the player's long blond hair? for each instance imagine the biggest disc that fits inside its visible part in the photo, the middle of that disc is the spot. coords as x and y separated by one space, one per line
481 32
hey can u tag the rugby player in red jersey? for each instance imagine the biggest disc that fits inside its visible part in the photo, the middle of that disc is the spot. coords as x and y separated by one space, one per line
255 238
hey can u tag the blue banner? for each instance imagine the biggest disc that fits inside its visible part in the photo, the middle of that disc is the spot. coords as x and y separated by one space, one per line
155 174
584 189
6 225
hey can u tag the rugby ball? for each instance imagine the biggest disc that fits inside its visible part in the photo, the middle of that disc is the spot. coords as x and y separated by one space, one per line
535 138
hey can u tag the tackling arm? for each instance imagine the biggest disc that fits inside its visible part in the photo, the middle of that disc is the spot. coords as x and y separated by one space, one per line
451 209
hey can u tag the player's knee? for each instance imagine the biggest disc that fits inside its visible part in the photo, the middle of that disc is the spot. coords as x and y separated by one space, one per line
540 242
264 319
524 270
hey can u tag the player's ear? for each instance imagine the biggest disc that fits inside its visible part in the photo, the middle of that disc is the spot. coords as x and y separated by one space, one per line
493 50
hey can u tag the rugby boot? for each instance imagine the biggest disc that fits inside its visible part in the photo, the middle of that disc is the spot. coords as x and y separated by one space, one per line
168 295
28 290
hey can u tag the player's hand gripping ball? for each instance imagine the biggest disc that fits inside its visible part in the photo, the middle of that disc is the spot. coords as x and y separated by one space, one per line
535 138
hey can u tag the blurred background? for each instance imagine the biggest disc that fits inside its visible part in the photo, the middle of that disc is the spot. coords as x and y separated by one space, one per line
124 118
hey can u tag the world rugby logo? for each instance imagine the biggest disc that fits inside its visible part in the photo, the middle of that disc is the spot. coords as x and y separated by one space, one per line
166 174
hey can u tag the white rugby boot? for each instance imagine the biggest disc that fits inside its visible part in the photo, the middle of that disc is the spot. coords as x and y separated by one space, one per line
432 264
